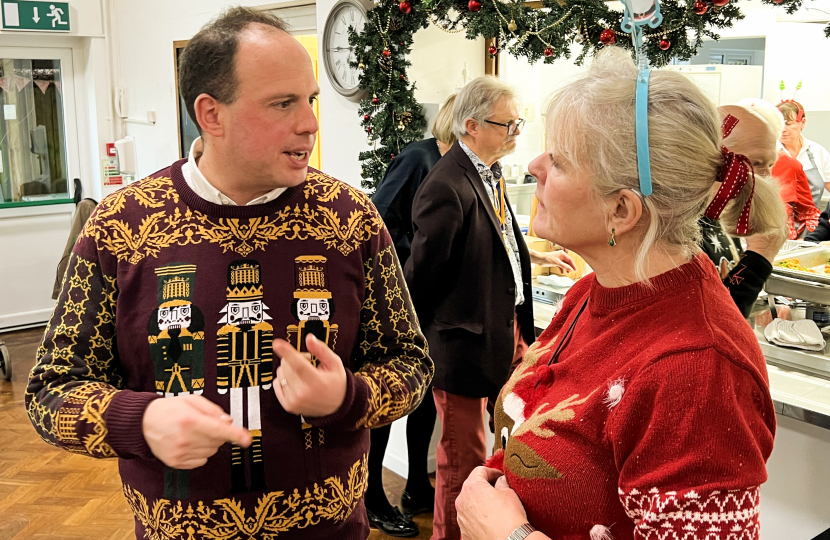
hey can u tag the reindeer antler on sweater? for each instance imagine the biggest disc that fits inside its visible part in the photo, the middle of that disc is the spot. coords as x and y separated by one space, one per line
560 413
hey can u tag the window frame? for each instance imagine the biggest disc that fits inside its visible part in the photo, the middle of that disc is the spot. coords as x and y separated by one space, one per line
71 132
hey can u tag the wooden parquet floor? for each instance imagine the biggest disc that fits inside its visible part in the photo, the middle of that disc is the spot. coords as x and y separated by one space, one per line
49 493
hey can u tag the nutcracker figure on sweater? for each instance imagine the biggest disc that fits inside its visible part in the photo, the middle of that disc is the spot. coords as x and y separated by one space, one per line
313 309
244 365
312 306
176 337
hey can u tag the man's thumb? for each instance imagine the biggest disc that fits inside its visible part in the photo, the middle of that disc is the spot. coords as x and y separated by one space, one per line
327 357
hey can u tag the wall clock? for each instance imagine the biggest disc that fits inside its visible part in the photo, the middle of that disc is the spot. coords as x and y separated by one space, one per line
337 53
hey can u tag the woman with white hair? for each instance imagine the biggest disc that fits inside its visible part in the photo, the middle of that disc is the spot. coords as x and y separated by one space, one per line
643 410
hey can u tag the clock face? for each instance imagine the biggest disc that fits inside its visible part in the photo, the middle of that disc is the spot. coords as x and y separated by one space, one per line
337 52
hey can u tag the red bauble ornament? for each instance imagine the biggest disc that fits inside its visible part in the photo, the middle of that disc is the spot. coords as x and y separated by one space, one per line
548 52
375 101
665 44
720 3
405 7
608 37
403 77
392 156
700 7
366 117
777 1
474 5
369 129
492 50
386 53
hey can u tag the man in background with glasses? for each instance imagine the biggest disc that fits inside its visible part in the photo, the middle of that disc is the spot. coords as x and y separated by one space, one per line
469 276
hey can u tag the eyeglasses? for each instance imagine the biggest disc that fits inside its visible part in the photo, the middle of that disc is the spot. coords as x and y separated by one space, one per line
512 127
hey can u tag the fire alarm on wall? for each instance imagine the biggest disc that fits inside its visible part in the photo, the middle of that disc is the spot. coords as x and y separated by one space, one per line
111 149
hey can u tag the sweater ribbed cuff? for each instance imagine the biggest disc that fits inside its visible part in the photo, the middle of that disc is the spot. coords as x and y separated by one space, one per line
124 424
353 408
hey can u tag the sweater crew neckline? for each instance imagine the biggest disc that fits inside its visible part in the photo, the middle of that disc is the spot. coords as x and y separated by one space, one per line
191 199
604 299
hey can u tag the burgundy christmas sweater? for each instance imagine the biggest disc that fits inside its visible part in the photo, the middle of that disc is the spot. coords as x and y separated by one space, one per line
655 421
167 294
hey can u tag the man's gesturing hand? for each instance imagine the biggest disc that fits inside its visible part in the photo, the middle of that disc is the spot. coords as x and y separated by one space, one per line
307 390
184 431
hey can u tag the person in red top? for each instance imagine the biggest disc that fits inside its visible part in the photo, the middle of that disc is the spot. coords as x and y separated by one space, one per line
795 192
643 411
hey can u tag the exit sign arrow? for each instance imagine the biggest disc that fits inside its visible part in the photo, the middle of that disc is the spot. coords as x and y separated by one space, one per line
36 18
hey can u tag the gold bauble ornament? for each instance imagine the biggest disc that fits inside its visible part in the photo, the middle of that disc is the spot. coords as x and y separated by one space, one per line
512 25
401 127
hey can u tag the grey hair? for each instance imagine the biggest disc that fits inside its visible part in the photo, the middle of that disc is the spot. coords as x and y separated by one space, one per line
590 122
477 101
767 112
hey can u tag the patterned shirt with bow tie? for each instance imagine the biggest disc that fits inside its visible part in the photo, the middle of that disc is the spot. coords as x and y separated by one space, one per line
491 177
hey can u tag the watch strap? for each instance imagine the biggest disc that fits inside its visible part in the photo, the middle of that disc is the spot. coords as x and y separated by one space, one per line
521 532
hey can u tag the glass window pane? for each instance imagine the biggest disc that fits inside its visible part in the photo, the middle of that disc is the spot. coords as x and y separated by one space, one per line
32 133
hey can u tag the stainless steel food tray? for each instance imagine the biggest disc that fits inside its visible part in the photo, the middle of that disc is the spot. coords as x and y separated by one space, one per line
809 257
807 286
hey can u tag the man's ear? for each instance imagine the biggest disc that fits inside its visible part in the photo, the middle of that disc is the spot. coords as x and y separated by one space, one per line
471 126
626 209
208 115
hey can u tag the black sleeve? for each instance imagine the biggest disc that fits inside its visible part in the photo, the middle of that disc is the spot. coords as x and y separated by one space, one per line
394 196
747 279
822 232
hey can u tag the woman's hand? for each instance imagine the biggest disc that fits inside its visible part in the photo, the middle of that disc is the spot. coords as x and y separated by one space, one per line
487 511
559 259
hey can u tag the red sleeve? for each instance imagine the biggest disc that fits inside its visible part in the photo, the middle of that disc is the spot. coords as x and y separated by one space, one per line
691 437
786 175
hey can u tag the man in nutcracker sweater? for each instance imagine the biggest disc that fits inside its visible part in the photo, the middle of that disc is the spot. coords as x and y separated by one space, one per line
169 338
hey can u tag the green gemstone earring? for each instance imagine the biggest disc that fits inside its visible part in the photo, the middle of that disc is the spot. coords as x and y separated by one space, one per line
612 241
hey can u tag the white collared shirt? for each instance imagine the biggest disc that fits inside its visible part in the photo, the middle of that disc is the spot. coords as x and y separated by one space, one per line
199 184
820 155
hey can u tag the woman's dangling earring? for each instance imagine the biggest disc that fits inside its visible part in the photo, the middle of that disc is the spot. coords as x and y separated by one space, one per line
612 241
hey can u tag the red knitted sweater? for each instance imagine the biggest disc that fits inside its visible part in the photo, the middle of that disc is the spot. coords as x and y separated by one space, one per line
655 421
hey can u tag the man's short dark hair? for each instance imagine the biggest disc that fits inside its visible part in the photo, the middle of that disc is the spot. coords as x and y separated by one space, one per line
207 64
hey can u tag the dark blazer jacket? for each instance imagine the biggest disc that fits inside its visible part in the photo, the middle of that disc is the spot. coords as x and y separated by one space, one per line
461 282
395 194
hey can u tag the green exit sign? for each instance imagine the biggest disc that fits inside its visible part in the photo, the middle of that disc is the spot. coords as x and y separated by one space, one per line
38 16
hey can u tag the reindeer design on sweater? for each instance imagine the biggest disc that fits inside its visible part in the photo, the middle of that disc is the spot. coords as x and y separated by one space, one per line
513 419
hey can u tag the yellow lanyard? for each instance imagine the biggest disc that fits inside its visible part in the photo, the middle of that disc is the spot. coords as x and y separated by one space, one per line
498 204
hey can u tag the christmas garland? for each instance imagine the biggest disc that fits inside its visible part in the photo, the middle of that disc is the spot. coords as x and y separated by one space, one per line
392 118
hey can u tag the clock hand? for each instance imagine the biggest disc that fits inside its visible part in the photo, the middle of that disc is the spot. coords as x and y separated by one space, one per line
341 49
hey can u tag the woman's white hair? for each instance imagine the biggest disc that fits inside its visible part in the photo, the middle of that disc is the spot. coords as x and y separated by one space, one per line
766 111
477 101
590 122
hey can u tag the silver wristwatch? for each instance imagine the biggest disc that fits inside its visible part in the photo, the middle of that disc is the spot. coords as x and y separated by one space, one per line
521 532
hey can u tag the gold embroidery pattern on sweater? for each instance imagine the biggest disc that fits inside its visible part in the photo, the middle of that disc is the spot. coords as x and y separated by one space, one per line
688 515
391 391
182 226
275 513
58 413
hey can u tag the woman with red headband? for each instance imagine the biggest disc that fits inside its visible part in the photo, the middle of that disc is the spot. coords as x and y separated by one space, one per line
814 158
643 410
